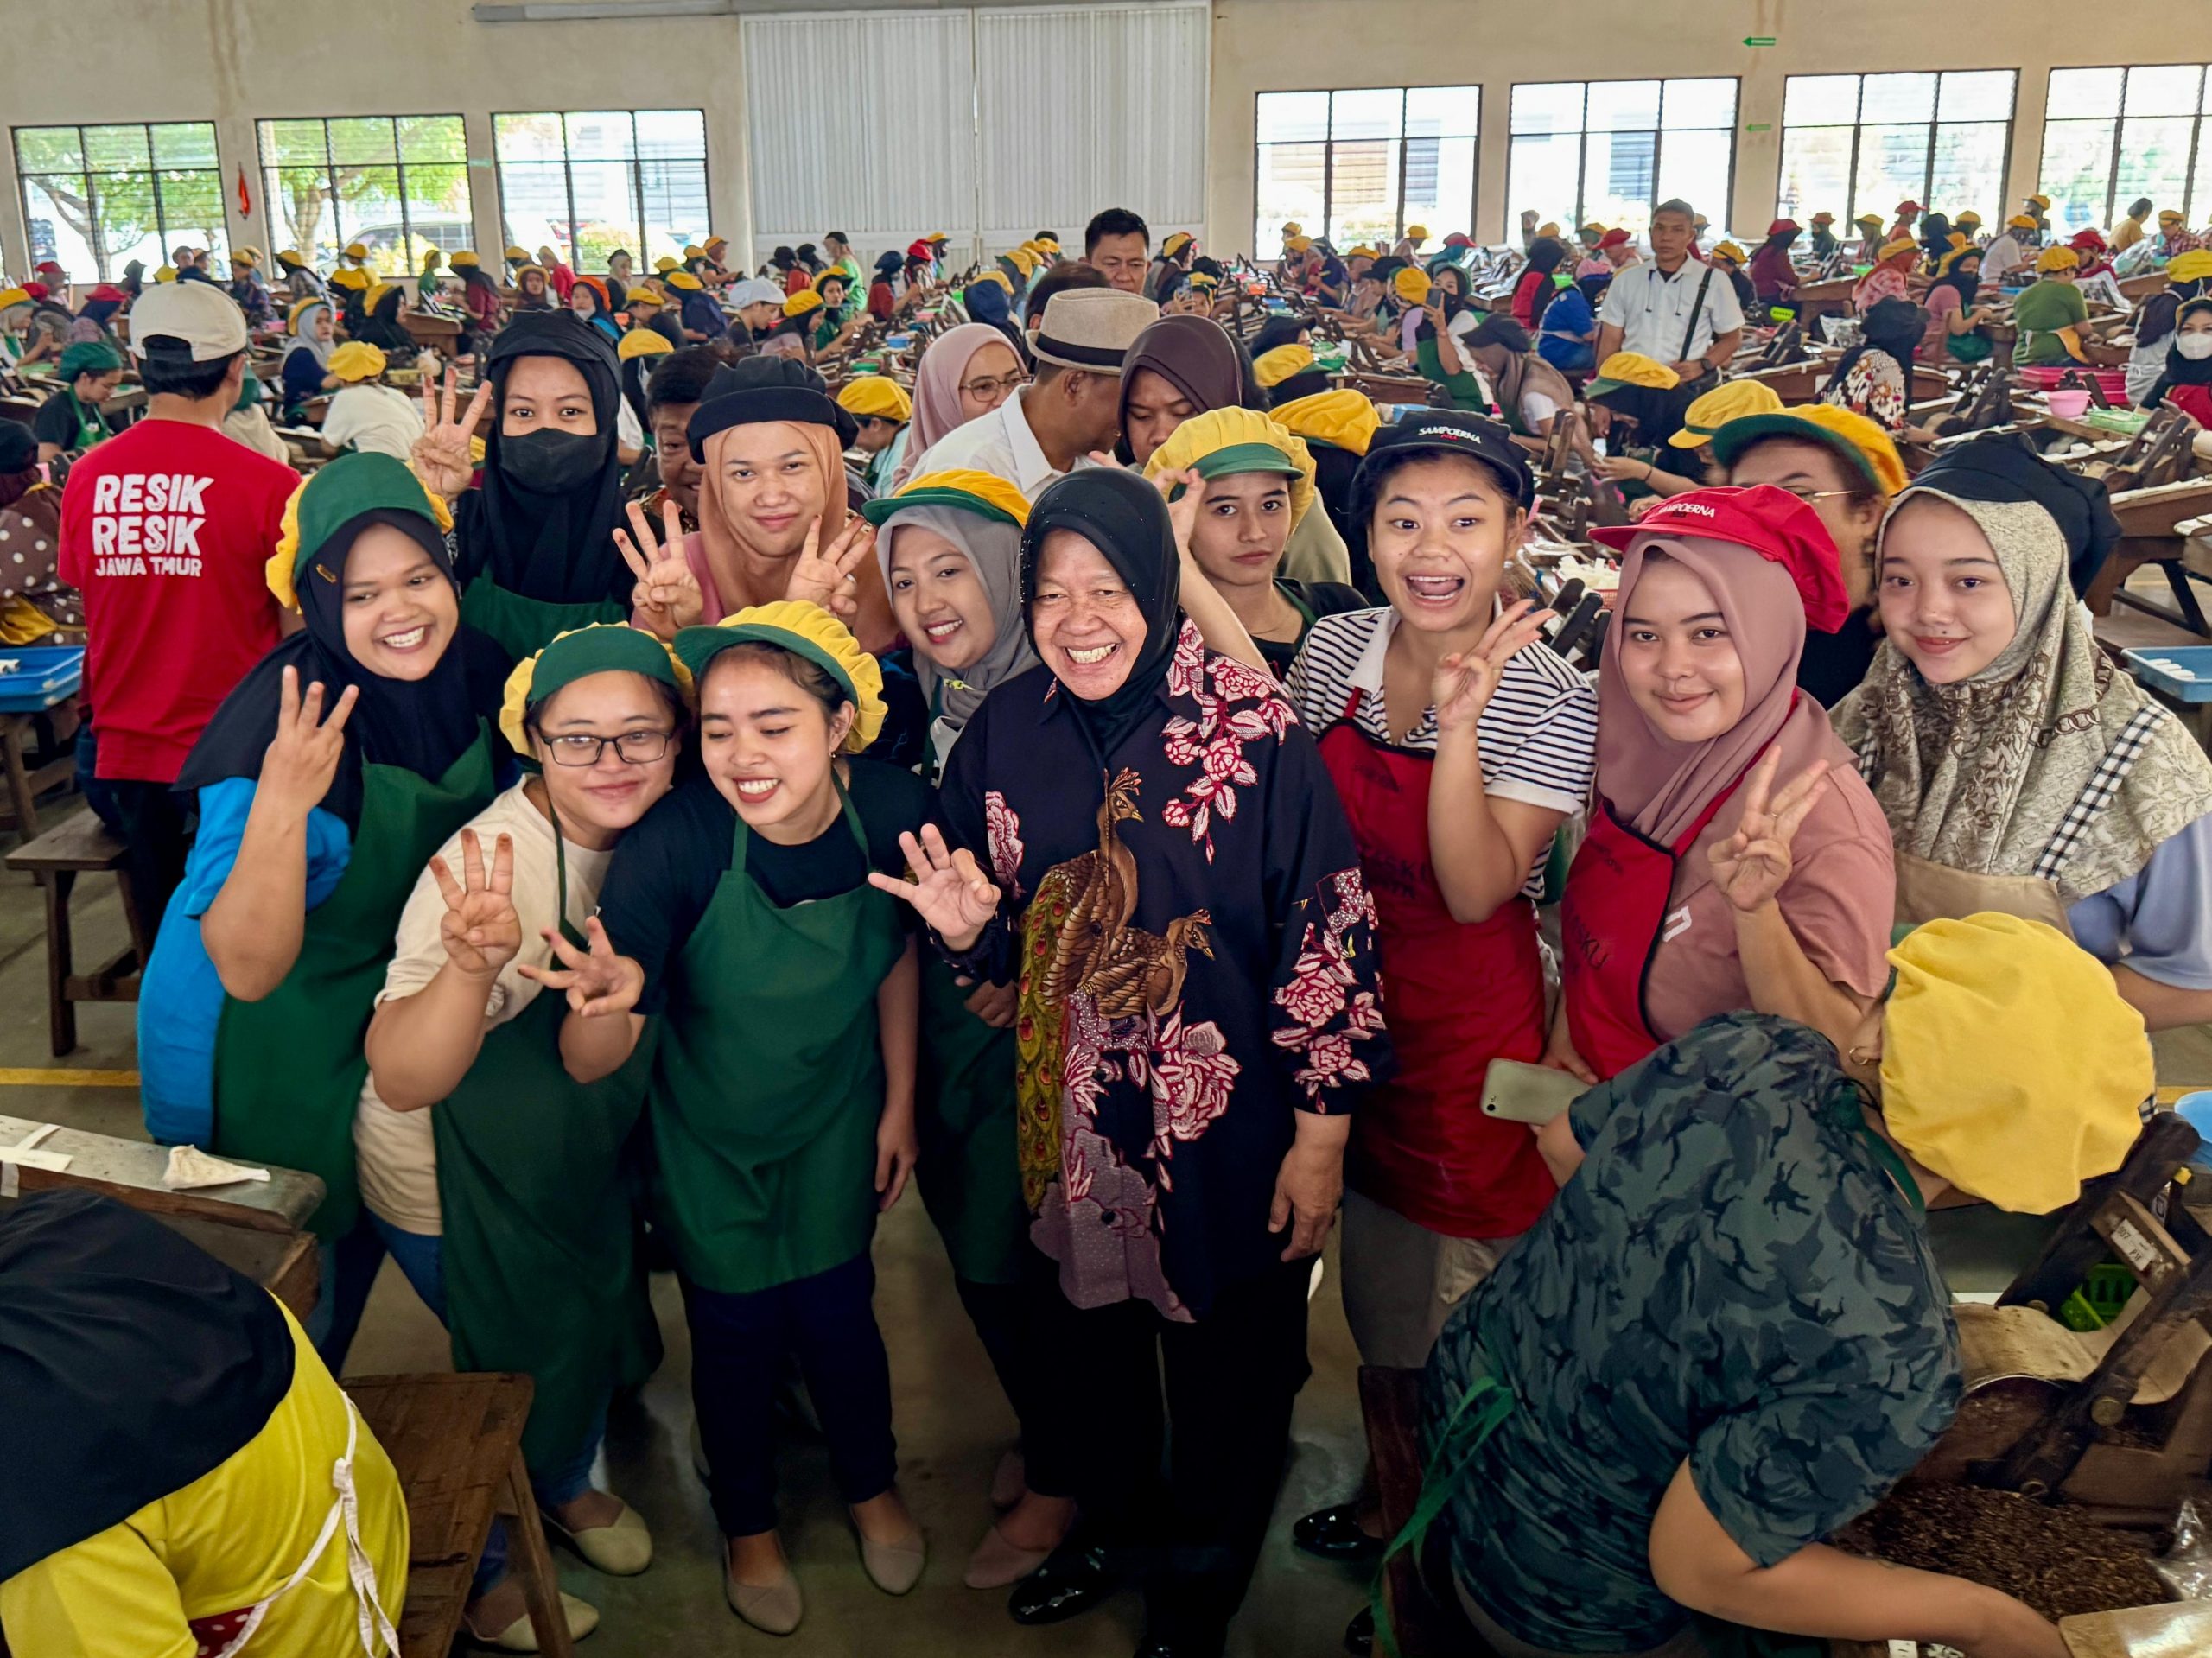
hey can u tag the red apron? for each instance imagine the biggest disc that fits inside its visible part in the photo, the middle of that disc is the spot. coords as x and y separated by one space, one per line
1611 921
1456 996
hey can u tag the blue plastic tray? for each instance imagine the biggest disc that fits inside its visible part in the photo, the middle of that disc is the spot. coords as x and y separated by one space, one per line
42 676
2193 659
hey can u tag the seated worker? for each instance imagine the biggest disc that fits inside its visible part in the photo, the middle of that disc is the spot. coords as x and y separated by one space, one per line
2186 383
1531 394
305 373
1337 427
2050 315
1685 460
884 411
1874 378
2018 768
673 392
1569 337
1735 859
638 352
1636 403
1727 1336
181 1469
366 415
71 422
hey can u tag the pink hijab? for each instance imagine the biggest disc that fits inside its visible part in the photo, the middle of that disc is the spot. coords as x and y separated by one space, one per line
937 390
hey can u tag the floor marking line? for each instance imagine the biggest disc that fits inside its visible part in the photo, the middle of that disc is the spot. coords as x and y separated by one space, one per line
19 1077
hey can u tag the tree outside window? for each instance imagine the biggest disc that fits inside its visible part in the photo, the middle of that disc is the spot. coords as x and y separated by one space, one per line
95 198
1855 145
398 184
2111 136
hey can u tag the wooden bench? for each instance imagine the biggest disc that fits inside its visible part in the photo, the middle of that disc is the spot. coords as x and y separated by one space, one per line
24 782
77 844
456 1441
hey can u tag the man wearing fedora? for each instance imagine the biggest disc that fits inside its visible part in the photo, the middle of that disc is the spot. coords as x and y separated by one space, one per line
1071 408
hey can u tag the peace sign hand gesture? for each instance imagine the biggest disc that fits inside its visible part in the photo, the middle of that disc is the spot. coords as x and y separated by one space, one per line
1752 865
440 457
480 930
667 595
1466 679
828 578
950 890
302 760
598 982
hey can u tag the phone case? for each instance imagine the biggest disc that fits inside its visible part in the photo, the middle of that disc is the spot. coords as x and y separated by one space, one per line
1518 1092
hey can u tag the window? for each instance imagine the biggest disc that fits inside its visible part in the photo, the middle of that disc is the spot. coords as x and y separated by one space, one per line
589 182
2113 136
1855 145
1360 166
398 184
1612 151
96 198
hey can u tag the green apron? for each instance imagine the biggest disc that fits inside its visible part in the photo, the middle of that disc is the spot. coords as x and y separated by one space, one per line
289 1068
91 428
1466 391
768 1081
543 1273
524 626
970 1171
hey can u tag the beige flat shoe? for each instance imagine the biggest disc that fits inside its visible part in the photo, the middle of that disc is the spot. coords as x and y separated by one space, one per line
518 1636
894 1567
772 1609
997 1563
620 1549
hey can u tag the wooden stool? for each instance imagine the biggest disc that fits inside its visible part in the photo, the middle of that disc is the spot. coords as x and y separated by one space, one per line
25 786
55 858
456 1441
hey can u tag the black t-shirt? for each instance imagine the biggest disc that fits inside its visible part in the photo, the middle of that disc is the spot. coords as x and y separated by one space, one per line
56 421
664 873
1833 663
1320 599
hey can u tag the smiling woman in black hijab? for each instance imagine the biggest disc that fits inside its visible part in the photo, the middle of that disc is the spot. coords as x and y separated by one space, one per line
1174 889
533 540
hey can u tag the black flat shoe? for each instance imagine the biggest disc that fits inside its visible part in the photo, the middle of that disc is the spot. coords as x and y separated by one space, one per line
1359 1634
1334 1534
1070 1582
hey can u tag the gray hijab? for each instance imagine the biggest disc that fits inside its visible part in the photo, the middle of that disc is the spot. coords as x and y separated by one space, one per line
994 550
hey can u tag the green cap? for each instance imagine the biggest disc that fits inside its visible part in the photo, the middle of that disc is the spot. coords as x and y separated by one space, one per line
88 357
886 506
1233 458
334 497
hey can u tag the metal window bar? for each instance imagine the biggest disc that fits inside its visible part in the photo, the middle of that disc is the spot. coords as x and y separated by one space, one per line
1657 135
1329 161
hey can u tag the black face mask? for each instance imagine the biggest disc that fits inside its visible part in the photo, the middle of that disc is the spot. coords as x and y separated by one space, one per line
551 463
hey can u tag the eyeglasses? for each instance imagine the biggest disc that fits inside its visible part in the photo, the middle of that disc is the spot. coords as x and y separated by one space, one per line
632 747
1809 496
1005 388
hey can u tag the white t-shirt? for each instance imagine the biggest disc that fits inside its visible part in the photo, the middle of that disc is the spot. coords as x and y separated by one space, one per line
1539 735
397 1151
374 419
1653 310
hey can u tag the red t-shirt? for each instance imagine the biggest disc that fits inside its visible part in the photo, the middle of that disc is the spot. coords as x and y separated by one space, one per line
166 529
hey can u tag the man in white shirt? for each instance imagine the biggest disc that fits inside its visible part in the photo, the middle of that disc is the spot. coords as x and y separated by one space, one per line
1071 409
1674 308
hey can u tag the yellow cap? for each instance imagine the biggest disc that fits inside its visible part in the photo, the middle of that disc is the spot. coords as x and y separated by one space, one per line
641 297
11 297
2042 202
876 397
998 276
691 284
1343 417
464 259
1418 233
1298 244
800 303
1022 260
1292 227
246 256
1550 227
356 360
833 273
805 630
2059 259
1176 242
300 308
1872 221
2169 217
1729 251
1633 368
1239 438
1852 437
166 273
1411 284
642 342
2020 222
1272 368
2192 266
714 242
1734 400
1363 251
357 250
1969 216
517 255
693 250
2010 1066
666 263
515 705
1892 249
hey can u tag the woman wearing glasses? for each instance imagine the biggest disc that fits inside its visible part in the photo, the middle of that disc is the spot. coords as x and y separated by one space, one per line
507 1205
966 373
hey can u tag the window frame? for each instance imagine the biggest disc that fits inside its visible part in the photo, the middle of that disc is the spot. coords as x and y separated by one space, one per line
2201 117
91 175
399 164
1734 130
1859 124
635 163
1328 142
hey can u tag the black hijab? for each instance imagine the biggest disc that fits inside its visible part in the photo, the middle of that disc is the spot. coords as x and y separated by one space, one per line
554 546
1894 326
1935 237
1964 282
383 329
2005 466
1278 331
133 280
783 258
421 726
1123 516
1545 258
132 1363
2182 371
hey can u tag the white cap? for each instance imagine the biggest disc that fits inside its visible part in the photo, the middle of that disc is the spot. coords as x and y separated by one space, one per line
199 314
757 290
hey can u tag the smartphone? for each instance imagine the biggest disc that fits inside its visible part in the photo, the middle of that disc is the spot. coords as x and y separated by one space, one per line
1518 1092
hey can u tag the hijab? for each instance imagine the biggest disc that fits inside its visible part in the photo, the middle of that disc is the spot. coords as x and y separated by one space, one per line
421 726
1894 326
993 306
303 333
382 328
1935 237
1506 356
1659 787
1980 775
993 550
1194 354
1964 282
1123 516
554 545
1544 259
783 259
98 310
599 318
133 1363
937 390
2183 371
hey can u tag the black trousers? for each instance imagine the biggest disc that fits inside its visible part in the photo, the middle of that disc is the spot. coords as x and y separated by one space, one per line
1194 1527
153 821
1008 1320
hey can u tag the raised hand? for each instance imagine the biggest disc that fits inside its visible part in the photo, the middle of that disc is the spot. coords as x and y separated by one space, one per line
1752 865
597 981
827 576
1466 679
296 772
667 596
440 457
1182 510
950 890
480 930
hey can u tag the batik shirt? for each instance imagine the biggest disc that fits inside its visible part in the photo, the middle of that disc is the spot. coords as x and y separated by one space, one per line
1197 964
1734 1277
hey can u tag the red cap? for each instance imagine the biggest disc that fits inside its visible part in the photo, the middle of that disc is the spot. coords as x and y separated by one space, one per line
36 289
108 290
1908 207
1771 522
1783 227
2089 238
1614 237
1458 239
48 268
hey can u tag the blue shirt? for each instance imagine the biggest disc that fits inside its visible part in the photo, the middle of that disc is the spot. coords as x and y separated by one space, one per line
1567 317
181 997
2158 921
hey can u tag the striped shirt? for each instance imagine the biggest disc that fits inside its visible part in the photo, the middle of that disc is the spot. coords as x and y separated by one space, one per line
1539 735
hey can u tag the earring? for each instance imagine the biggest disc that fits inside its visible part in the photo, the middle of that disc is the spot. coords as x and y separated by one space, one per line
1858 1056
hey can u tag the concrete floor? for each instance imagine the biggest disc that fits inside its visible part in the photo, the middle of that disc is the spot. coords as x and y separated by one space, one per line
951 1422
